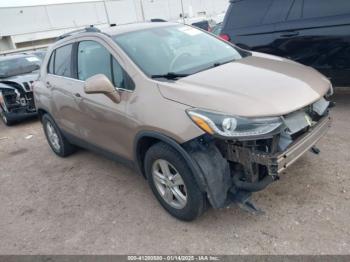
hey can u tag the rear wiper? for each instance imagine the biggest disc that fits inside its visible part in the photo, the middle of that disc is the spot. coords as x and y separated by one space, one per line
170 75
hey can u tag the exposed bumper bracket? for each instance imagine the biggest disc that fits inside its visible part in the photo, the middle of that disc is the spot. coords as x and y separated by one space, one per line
242 199
277 163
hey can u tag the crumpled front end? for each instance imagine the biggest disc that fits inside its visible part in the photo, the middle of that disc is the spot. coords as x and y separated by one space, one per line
302 130
17 100
254 164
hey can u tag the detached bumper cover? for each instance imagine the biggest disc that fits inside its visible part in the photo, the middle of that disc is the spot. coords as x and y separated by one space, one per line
277 163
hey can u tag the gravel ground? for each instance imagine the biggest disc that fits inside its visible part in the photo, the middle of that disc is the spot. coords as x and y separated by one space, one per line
86 204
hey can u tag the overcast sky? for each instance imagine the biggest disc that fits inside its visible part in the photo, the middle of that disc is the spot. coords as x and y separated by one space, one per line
7 3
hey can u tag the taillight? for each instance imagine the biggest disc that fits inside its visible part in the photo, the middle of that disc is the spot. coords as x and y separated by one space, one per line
225 37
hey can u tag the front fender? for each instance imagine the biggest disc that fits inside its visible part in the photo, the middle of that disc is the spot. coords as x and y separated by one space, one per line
210 170
158 137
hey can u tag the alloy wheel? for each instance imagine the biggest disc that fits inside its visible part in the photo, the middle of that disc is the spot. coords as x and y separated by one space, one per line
3 116
169 184
53 136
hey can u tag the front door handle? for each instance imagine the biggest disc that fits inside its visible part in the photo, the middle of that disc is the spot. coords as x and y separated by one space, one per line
77 95
289 34
48 84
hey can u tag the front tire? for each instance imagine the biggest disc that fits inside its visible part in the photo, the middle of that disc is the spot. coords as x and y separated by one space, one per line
172 182
58 143
4 118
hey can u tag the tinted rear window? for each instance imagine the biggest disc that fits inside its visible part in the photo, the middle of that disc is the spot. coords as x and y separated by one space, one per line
247 13
296 10
323 8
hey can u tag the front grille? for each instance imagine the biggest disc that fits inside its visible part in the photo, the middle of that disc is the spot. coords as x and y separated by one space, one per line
30 101
27 86
299 122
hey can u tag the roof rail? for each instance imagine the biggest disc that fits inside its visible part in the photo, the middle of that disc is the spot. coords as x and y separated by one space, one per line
87 29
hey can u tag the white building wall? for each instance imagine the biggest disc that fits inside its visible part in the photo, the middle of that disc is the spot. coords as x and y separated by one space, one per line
23 20
6 43
123 11
33 23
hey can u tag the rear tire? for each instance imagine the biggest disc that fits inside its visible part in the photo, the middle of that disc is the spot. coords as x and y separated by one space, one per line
175 189
58 143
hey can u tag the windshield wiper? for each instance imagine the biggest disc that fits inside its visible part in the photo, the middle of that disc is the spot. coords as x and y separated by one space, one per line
216 64
170 75
221 63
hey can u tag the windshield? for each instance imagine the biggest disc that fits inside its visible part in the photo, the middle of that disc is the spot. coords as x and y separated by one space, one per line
177 49
19 65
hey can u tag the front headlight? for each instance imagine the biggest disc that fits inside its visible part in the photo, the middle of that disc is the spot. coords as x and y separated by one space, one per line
233 126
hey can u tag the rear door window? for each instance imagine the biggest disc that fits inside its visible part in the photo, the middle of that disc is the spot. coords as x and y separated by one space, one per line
324 8
248 13
63 59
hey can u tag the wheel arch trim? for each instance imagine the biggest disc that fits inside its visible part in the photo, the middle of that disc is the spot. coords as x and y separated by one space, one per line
41 112
173 143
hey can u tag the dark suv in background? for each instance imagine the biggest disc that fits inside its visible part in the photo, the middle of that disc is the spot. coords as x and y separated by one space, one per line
313 32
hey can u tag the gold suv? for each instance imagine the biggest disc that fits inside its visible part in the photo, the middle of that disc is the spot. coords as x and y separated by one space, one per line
204 121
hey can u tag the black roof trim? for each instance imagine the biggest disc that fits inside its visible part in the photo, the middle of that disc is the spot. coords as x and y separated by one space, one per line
155 20
87 29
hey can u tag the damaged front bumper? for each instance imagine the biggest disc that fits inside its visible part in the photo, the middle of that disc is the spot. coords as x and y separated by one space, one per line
232 172
17 106
20 116
232 169
278 162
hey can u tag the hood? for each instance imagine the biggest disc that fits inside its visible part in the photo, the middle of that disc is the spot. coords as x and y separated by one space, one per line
22 83
258 85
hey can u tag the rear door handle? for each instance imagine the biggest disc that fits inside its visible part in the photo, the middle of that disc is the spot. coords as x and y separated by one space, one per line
77 95
48 84
289 34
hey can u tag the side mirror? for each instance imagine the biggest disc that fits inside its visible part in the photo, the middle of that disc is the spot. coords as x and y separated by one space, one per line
100 84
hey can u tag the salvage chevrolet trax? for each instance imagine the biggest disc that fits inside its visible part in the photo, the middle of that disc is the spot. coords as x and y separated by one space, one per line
203 121
17 74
